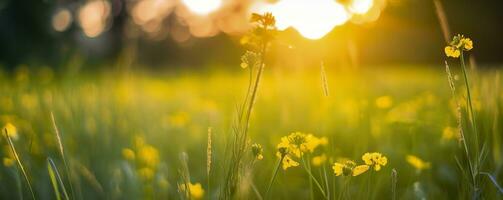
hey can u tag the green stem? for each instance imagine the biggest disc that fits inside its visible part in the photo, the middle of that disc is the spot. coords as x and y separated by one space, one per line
313 178
474 124
273 177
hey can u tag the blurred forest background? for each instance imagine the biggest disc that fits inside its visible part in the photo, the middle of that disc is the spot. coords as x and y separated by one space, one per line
55 32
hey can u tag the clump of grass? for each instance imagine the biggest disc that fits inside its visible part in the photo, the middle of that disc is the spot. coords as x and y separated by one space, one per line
254 60
18 161
62 152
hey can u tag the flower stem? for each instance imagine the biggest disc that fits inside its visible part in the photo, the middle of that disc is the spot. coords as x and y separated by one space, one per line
313 178
472 118
273 177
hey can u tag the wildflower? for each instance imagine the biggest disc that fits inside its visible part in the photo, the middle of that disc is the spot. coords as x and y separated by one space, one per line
384 102
452 52
11 131
257 151
148 155
128 154
349 168
319 160
458 44
8 162
146 173
375 159
417 162
289 162
196 190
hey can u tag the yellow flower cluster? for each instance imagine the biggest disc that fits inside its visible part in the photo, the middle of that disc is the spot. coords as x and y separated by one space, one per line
295 145
196 190
349 168
458 44
145 156
257 151
375 159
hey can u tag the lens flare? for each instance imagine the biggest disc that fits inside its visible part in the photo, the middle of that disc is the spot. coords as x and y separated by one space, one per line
312 19
202 7
361 6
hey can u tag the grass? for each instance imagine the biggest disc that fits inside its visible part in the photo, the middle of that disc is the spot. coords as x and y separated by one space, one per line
100 114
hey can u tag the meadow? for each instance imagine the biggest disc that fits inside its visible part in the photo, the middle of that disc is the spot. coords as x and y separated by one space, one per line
141 135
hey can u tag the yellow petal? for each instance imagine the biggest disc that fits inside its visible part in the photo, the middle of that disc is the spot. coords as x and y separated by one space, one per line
360 169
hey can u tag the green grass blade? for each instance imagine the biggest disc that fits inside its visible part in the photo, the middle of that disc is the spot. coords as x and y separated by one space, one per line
20 165
56 180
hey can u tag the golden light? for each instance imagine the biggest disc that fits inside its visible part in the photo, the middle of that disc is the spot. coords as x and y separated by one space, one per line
61 20
312 19
93 17
361 6
202 7
149 14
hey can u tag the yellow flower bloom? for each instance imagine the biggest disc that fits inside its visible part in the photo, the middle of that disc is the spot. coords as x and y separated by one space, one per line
375 159
349 168
338 169
257 151
319 160
11 131
128 154
417 162
289 162
196 190
8 162
459 43
467 44
148 155
452 52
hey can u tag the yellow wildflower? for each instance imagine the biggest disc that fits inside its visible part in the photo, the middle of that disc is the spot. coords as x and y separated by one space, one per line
319 160
11 131
349 168
417 162
467 44
8 162
458 44
375 159
128 154
148 155
452 52
196 190
289 162
257 151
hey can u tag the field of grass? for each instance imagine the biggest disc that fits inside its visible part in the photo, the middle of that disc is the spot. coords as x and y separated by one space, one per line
141 135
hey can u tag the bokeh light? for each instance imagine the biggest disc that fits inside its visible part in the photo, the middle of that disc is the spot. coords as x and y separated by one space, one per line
61 20
202 7
361 6
93 17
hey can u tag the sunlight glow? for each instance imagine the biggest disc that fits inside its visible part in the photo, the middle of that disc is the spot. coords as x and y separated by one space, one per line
93 17
202 7
361 6
312 19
